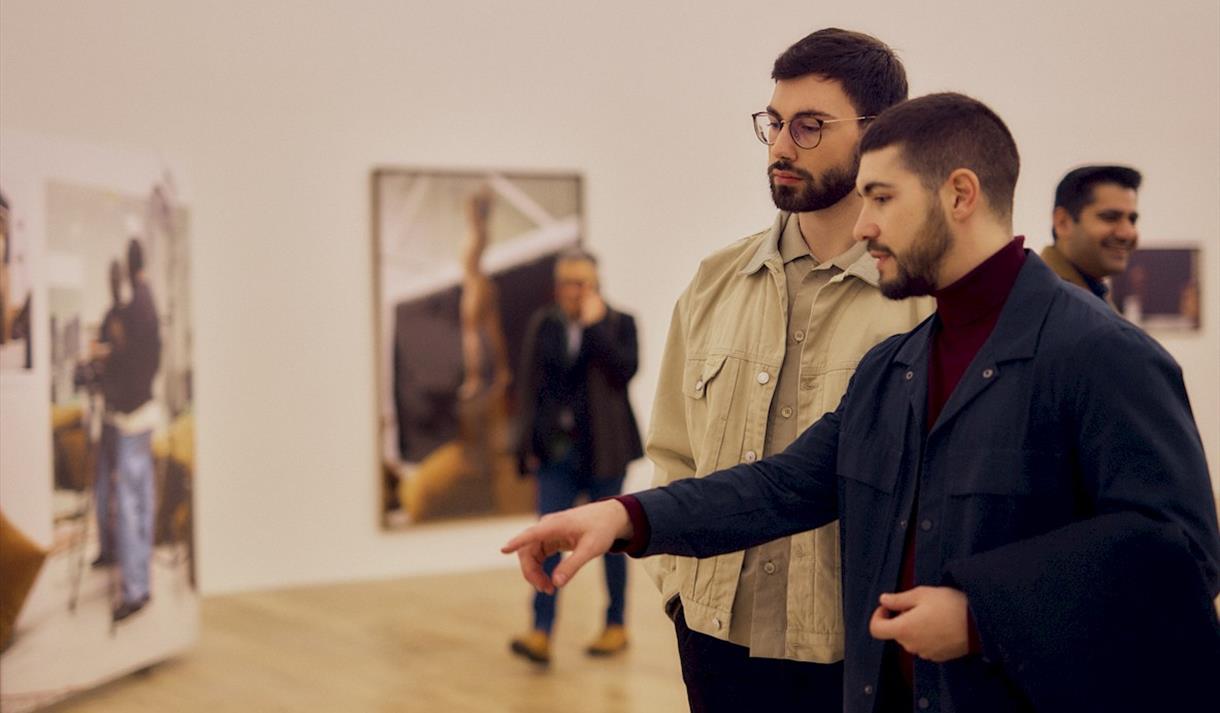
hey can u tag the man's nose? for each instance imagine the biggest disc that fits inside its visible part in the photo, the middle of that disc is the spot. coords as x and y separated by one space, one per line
1127 230
784 146
864 229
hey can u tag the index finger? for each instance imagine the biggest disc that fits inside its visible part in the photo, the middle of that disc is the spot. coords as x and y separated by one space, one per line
528 536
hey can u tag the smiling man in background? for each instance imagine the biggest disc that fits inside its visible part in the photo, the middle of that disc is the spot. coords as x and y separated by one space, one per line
1094 225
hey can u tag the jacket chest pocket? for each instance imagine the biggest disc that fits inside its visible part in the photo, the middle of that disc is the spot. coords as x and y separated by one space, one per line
867 466
709 384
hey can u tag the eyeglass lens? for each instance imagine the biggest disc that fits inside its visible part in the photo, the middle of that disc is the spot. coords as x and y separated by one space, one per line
806 131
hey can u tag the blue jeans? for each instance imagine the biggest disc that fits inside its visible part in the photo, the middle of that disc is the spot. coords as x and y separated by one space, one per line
103 488
134 527
559 484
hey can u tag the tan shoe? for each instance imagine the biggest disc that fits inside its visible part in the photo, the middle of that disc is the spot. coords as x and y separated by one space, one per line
611 641
535 646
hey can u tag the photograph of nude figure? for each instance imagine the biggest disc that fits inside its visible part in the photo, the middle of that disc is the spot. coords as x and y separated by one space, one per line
462 260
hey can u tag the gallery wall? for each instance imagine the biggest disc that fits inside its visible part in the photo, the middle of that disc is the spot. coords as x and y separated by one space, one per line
277 111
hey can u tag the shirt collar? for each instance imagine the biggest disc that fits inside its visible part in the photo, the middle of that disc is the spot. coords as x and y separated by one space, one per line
784 242
792 245
1095 286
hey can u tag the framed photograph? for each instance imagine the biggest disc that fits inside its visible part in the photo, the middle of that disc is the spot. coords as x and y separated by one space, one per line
1160 289
462 261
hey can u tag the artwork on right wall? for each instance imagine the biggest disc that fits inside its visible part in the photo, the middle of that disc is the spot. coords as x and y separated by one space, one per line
1160 289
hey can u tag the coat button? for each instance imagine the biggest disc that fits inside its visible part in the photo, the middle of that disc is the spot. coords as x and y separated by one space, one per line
909 375
750 456
924 703
868 690
763 377
769 568
799 336
902 525
786 412
988 373
699 385
716 624
926 525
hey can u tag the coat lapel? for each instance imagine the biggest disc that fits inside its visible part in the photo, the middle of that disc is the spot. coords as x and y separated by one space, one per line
1014 338
912 363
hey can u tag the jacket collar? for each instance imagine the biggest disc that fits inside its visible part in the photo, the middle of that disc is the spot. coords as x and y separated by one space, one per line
859 264
1016 331
1057 261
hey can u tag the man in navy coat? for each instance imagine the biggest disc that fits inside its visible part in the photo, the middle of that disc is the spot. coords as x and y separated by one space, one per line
1026 514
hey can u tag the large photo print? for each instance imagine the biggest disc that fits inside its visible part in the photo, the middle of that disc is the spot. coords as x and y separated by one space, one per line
99 466
462 261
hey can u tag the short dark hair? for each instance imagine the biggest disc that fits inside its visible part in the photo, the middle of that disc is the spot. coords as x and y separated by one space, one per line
1075 191
940 133
871 74
135 258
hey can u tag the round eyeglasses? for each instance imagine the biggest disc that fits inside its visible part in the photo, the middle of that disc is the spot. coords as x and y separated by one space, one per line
805 130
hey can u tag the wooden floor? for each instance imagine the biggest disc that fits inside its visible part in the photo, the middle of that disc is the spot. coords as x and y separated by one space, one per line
429 645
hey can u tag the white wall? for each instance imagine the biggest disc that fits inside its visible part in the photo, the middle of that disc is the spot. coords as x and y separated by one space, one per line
277 111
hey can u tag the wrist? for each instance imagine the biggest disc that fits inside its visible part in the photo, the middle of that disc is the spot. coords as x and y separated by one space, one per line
625 530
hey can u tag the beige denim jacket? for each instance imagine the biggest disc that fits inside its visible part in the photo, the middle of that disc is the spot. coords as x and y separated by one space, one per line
728 329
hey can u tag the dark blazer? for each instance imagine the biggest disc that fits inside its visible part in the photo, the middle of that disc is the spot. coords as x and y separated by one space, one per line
1067 414
593 384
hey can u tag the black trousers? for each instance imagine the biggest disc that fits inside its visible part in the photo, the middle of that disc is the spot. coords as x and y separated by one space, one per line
722 678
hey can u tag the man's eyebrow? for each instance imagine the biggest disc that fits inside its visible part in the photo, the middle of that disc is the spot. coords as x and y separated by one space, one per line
872 186
806 112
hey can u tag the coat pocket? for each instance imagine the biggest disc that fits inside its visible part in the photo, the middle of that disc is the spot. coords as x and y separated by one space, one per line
873 465
708 384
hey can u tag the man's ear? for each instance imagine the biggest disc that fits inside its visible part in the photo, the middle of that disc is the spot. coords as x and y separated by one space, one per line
1062 221
962 194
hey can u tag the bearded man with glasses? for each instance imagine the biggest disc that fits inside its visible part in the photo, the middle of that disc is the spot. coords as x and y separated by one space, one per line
762 344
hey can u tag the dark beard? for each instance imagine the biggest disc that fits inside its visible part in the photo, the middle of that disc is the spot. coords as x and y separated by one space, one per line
812 194
917 269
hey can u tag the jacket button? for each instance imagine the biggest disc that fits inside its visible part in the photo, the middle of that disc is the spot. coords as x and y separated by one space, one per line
769 568
786 412
751 456
988 373
716 624
909 375
699 385
924 703
902 524
926 525
763 377
868 690
799 336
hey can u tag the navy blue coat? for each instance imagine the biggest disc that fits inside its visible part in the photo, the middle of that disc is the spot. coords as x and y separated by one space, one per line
1068 413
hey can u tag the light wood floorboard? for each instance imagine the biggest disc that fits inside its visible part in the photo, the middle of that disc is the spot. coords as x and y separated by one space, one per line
424 644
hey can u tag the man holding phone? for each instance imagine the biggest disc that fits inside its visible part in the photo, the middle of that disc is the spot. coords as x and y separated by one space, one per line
575 430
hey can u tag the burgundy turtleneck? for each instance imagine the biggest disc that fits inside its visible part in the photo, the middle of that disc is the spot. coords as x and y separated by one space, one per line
967 312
